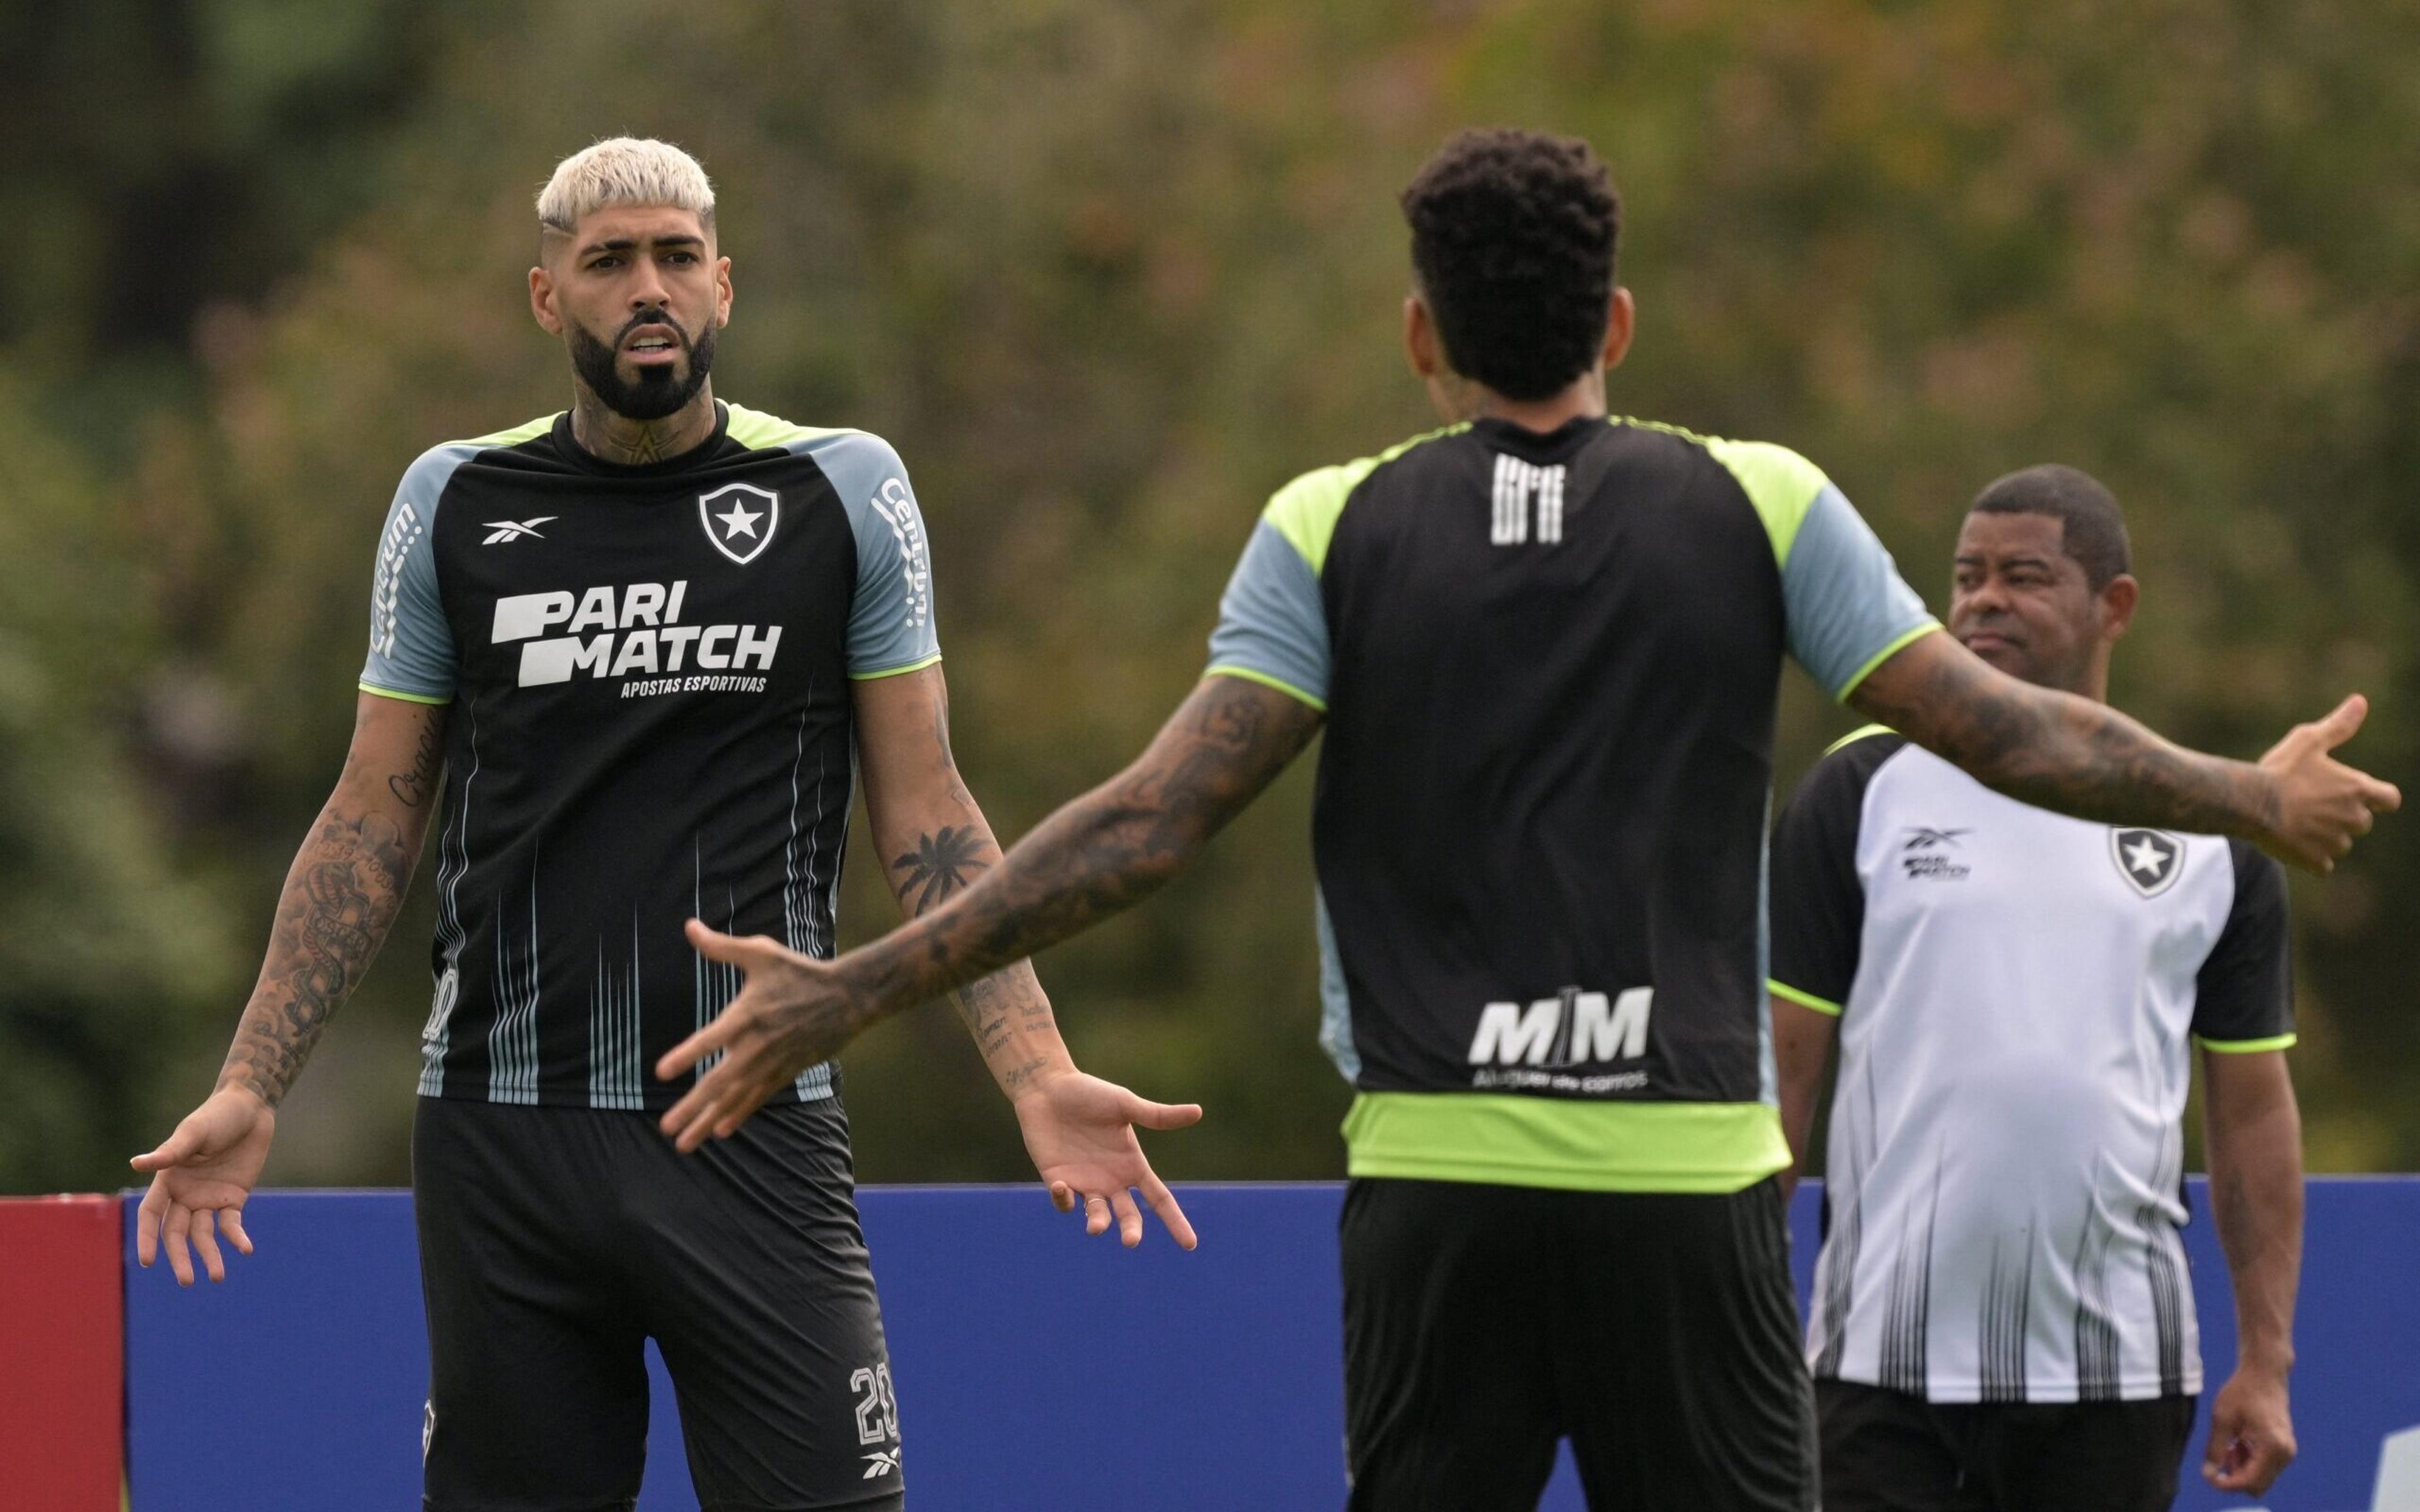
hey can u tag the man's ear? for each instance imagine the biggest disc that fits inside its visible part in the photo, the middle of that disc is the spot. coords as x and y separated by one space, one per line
1621 323
722 292
1420 344
542 302
2118 601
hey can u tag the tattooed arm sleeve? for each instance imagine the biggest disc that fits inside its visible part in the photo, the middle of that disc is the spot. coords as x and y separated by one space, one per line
934 844
1100 855
2058 751
343 892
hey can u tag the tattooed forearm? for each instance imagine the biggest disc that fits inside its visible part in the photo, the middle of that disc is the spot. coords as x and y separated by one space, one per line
2058 751
339 898
1103 853
941 865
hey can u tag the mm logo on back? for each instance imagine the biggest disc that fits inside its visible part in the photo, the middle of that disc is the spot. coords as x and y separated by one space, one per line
1543 1045
637 634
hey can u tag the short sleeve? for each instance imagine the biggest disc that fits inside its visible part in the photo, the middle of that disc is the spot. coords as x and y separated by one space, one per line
1272 625
1847 608
891 615
1818 904
411 644
2244 997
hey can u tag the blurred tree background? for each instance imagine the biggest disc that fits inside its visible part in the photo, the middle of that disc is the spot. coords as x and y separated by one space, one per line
1108 275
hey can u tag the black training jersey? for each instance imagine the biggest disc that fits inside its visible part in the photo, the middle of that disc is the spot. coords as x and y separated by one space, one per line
2018 991
649 669
1548 664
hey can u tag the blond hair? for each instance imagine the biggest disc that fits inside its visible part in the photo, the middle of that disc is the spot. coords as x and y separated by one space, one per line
624 170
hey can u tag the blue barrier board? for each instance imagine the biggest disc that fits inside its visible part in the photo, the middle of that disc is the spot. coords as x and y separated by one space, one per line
1040 1369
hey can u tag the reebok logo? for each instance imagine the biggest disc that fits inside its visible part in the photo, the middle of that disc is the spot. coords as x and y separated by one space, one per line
1926 855
513 530
637 633
1525 1047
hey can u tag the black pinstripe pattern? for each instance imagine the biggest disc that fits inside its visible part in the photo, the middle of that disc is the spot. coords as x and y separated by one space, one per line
1909 1307
2007 1304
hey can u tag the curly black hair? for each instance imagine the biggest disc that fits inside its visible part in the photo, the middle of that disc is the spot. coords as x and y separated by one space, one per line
2093 529
1513 236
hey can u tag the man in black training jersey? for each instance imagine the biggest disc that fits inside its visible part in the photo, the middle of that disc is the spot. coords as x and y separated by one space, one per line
642 648
1543 646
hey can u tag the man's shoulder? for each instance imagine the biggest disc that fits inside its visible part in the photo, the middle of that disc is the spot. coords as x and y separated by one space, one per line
759 431
1848 766
1305 511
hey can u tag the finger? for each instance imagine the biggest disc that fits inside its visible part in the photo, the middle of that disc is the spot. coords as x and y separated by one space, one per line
742 1106
693 1104
1096 1215
730 949
1063 1196
1145 1113
2382 797
173 1150
684 1056
231 1225
2343 721
1130 1218
2268 1461
147 1225
1163 1202
173 1234
206 1238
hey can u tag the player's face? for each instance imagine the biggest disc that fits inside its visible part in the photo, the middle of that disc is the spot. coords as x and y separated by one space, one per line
2020 602
636 293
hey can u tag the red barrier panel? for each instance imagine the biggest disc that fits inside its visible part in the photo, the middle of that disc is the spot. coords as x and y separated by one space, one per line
62 1354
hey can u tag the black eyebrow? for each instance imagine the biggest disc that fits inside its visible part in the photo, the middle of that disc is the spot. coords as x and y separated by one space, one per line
680 239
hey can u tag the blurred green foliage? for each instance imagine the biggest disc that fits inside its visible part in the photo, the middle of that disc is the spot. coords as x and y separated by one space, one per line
1107 274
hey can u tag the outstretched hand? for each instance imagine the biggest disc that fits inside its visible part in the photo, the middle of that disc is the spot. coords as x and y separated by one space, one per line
1080 1132
2323 805
791 1013
202 1175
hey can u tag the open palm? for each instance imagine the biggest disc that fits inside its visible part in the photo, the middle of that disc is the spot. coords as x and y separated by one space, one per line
201 1177
1080 1132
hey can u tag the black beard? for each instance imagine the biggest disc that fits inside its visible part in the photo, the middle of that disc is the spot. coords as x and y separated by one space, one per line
658 393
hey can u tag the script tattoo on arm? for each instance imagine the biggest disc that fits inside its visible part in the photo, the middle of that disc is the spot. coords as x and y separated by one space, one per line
414 787
340 897
2058 751
1102 854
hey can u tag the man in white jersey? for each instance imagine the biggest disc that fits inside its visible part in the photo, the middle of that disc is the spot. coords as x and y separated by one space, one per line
2002 1317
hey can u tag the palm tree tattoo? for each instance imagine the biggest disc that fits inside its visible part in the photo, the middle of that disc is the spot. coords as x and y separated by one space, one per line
940 863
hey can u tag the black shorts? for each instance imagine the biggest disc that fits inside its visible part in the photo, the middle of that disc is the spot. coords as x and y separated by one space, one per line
1885 1451
555 1241
1658 1332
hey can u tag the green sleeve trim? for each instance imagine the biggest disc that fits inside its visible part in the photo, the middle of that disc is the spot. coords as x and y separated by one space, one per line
2246 1047
1789 993
758 431
1780 484
1567 1144
1885 654
1306 510
408 697
895 671
526 430
1861 732
1247 675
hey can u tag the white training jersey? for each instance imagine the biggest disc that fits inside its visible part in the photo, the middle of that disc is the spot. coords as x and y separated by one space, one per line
2017 990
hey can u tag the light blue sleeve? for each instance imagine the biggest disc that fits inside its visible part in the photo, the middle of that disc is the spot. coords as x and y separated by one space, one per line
1848 608
412 646
1272 624
891 617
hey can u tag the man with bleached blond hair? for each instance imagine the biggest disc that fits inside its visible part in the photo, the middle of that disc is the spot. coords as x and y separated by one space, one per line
634 646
